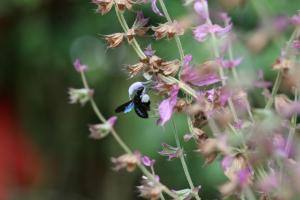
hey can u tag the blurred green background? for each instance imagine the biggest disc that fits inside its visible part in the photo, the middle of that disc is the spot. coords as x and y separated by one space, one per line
39 39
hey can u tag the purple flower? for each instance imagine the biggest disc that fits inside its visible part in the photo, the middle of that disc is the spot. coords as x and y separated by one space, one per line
147 161
204 80
112 120
140 20
292 109
269 183
280 23
229 64
201 32
166 107
210 94
296 19
155 8
201 9
261 83
79 67
149 52
226 162
192 76
279 144
296 44
244 176
170 151
187 60
224 96
238 125
226 19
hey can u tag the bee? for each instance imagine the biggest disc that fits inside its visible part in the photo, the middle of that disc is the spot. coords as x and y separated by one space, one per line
140 101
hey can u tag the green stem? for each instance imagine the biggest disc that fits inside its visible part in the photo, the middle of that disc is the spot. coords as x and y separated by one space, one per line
292 129
119 140
101 117
249 194
183 86
182 160
177 39
279 73
125 27
236 77
221 72
274 91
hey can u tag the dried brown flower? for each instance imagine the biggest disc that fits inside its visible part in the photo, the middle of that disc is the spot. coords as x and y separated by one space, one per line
258 40
281 103
208 148
170 67
283 65
223 117
104 6
181 105
128 161
114 40
168 30
135 69
122 4
155 65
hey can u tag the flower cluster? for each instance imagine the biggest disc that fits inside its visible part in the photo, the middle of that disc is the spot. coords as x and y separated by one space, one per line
256 147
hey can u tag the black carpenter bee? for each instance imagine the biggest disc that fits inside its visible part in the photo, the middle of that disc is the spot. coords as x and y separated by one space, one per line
140 101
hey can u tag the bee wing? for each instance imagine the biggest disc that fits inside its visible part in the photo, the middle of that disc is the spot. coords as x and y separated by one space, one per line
141 111
125 108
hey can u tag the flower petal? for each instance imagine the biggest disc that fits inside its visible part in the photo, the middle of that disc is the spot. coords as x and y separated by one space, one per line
79 67
166 107
155 8
201 9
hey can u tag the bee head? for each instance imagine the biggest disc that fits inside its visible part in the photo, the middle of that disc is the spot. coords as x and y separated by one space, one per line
136 88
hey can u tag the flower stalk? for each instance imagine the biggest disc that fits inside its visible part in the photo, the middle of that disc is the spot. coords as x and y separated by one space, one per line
119 140
279 73
182 160
221 71
177 39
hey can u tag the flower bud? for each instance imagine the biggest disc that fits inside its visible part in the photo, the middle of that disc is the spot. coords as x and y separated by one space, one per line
128 161
150 189
80 95
114 40
99 131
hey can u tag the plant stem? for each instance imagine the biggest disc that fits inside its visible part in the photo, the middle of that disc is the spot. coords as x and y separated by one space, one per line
279 73
182 160
221 71
274 90
125 27
236 77
102 119
177 39
118 138
292 129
